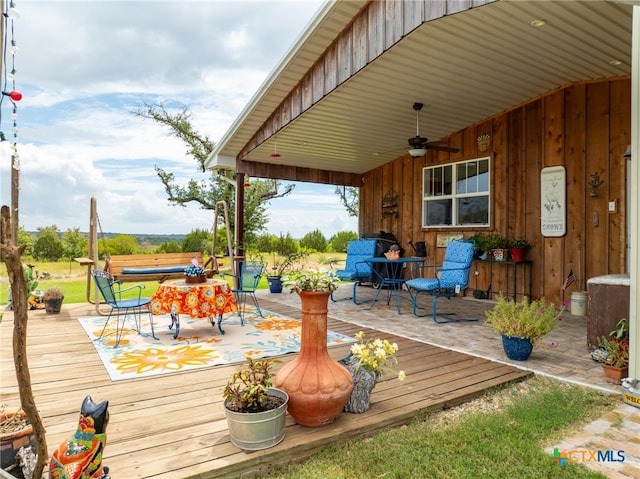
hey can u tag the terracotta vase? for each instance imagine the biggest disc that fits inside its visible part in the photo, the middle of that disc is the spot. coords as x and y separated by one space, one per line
317 385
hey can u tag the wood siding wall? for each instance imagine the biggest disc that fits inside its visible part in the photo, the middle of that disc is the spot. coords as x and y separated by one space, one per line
584 127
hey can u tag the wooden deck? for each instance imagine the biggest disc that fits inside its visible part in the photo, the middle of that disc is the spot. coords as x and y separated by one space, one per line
173 426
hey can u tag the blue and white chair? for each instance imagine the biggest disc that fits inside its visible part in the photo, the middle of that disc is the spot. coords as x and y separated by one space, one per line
447 281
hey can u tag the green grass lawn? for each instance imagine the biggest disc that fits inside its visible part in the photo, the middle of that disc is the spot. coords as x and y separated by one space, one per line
505 441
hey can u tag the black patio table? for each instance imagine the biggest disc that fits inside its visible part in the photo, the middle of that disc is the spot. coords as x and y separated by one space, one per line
391 276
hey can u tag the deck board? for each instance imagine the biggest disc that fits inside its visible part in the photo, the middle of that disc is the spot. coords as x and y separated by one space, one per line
173 426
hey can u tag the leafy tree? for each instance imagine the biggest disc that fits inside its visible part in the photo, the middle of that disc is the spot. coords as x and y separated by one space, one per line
48 246
314 241
121 244
340 241
215 187
75 243
266 243
350 198
286 245
27 240
198 240
169 247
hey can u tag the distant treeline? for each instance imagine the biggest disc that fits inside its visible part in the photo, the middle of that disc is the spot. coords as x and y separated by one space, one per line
140 238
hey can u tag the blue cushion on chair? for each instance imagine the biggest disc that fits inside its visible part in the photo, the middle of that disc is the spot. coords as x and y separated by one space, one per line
424 284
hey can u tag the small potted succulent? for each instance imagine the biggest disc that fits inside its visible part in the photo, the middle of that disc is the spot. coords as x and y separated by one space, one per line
255 410
52 300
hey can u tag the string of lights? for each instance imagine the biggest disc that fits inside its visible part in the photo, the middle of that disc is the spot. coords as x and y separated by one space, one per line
9 16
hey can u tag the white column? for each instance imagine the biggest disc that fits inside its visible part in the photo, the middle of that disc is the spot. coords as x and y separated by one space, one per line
634 216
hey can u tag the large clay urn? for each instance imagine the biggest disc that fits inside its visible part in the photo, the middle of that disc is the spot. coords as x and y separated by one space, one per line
317 385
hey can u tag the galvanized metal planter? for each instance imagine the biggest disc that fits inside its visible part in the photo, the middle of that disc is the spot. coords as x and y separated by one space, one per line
258 430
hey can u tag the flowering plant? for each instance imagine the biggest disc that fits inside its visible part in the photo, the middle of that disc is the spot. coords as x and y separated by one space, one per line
376 355
313 281
193 270
524 319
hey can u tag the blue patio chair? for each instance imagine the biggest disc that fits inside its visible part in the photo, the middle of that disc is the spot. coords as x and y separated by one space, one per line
448 280
111 292
248 279
356 269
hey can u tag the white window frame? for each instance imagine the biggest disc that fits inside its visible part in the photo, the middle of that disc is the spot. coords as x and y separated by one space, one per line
454 196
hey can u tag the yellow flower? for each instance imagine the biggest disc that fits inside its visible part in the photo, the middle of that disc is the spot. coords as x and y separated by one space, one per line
375 355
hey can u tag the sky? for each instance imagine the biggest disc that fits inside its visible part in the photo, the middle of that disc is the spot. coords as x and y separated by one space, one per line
85 66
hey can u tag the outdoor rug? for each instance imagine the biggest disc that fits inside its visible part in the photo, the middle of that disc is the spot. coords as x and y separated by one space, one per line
199 344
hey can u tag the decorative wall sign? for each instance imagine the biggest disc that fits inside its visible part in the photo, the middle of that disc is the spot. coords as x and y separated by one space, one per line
484 141
443 239
553 218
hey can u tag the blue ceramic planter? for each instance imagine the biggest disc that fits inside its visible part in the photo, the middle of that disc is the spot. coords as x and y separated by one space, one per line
516 348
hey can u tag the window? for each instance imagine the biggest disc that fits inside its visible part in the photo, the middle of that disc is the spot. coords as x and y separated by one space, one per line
457 194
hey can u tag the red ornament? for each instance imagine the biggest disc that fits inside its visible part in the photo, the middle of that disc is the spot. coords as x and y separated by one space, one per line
275 155
15 95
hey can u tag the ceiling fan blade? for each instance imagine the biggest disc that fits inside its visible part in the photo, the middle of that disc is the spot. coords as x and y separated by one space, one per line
441 146
450 149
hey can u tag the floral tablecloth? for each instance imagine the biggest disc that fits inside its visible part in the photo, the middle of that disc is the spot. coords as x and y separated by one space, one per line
198 300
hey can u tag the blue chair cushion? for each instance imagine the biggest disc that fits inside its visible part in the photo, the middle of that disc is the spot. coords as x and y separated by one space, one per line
424 284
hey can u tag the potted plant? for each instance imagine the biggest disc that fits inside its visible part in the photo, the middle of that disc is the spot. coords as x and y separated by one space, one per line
53 300
522 323
318 386
255 410
518 248
497 244
15 432
278 269
483 247
367 362
613 352
615 359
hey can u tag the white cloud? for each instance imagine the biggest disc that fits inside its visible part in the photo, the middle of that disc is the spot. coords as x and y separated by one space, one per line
84 67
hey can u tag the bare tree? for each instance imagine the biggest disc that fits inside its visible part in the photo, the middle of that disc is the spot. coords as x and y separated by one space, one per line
208 191
11 255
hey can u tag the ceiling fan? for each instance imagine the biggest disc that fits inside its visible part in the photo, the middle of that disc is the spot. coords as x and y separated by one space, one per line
419 144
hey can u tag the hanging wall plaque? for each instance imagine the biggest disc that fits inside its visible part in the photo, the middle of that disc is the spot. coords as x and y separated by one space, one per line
553 218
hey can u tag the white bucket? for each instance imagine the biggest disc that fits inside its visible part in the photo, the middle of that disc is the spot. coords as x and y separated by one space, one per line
579 303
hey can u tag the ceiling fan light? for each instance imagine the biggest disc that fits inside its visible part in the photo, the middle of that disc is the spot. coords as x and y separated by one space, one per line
417 152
